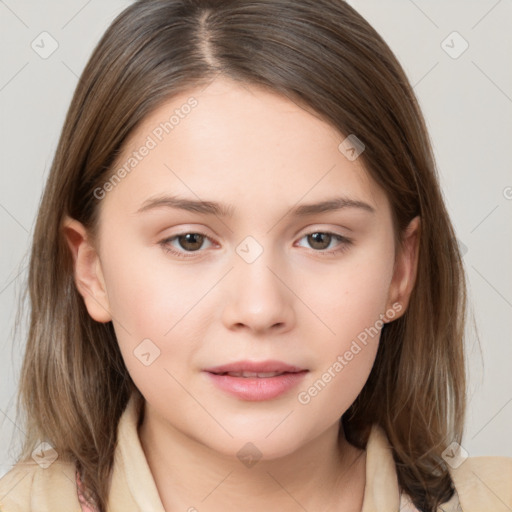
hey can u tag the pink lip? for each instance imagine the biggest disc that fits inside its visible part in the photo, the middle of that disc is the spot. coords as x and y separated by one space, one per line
256 388
255 366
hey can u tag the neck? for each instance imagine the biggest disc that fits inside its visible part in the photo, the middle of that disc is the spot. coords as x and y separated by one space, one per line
326 474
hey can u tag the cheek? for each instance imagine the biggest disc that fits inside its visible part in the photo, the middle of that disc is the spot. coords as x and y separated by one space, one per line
351 298
350 307
155 302
146 293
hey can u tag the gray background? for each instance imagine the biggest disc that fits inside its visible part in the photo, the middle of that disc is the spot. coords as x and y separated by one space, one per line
467 102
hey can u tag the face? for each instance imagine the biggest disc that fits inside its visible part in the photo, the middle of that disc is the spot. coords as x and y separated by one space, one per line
259 278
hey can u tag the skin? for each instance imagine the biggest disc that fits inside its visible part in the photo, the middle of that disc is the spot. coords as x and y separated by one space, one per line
264 155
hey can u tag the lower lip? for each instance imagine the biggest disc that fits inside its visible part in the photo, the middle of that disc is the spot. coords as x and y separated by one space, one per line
257 389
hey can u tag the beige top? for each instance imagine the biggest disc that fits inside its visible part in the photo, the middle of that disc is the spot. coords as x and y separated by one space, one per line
483 484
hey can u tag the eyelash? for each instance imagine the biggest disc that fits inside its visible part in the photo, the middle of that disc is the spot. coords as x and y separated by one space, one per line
345 243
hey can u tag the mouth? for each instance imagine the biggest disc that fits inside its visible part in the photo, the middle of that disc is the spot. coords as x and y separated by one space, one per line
261 369
246 375
256 381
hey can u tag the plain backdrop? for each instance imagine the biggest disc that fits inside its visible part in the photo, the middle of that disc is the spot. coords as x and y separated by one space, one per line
463 81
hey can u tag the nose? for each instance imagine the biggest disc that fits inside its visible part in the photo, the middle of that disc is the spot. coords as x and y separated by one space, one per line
259 298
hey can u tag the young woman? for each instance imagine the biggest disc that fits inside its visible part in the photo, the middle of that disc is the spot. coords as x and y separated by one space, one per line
246 290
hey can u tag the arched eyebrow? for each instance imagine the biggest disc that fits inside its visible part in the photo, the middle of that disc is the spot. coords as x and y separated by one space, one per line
224 210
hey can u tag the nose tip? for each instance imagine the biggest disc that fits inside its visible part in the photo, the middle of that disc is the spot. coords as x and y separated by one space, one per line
258 299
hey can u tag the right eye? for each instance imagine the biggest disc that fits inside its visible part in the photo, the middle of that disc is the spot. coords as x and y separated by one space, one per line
189 241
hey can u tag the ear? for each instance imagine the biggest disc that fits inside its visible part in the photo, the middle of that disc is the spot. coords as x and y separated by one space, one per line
87 270
406 266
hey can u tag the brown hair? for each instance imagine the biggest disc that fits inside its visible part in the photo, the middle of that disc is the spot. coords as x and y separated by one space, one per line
324 56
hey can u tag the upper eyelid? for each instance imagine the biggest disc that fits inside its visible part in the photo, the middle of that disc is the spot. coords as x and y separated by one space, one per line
307 230
214 242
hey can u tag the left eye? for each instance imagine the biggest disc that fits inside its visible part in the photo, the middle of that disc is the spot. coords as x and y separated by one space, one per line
192 242
318 238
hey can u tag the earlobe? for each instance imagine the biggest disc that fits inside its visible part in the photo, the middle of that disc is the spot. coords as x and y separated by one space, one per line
88 274
406 266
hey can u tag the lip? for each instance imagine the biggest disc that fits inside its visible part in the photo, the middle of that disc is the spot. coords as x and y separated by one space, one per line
256 389
255 366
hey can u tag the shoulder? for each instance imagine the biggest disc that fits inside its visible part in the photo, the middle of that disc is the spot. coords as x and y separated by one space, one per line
481 483
15 487
484 483
28 487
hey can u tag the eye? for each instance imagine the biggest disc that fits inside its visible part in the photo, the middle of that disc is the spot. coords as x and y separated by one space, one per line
321 240
190 242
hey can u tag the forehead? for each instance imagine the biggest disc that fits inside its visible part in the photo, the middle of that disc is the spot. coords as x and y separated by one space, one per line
241 145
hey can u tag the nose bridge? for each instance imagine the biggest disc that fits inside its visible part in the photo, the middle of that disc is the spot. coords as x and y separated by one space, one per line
258 297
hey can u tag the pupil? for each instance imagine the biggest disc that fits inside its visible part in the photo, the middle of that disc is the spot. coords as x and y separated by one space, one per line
189 239
317 239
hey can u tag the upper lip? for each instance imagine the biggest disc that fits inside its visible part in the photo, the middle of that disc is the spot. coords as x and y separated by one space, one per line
255 366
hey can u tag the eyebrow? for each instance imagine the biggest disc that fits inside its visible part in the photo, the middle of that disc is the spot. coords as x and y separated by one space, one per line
222 210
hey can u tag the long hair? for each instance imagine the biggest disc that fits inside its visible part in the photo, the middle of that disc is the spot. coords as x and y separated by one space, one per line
324 56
